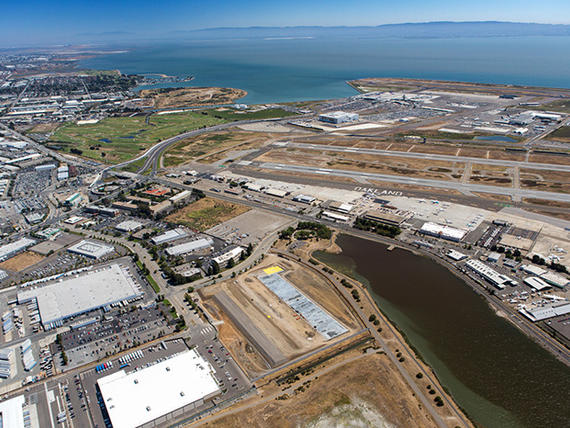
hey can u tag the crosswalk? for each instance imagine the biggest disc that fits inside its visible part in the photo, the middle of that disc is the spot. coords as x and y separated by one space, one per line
206 331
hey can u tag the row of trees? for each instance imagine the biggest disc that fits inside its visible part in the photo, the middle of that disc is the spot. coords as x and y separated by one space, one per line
374 226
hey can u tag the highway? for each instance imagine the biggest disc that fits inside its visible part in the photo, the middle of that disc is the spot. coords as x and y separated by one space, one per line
442 184
419 155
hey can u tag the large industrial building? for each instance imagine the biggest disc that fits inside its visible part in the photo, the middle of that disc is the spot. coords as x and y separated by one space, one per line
338 117
13 248
188 247
444 232
491 275
148 397
13 413
75 294
170 235
91 249
547 311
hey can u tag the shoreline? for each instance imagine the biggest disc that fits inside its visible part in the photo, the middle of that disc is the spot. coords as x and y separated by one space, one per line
399 336
478 287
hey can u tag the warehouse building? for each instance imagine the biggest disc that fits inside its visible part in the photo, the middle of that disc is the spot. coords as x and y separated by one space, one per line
170 235
490 275
74 295
129 226
532 270
183 381
553 279
188 247
443 232
276 192
13 412
341 207
547 311
91 249
338 117
10 250
335 217
536 283
455 255
180 197
304 199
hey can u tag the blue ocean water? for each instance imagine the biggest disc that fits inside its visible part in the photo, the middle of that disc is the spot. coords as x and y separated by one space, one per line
280 70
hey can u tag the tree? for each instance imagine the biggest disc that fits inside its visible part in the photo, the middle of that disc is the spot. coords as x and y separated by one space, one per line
231 263
215 267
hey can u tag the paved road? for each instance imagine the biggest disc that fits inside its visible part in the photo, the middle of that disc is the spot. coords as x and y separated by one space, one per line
462 187
418 155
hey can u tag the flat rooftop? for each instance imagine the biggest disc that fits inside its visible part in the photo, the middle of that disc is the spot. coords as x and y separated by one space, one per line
135 398
91 249
320 320
76 294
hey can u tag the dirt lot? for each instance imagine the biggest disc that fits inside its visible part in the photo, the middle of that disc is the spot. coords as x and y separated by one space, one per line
176 97
21 261
292 335
206 213
363 392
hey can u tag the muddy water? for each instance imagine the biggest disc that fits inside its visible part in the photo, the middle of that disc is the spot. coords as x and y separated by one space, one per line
497 375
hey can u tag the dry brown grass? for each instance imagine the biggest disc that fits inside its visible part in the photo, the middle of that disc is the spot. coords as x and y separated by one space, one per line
21 261
206 213
372 379
180 97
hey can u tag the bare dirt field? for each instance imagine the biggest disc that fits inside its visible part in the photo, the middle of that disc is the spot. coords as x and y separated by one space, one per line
21 261
289 332
206 213
180 97
493 197
363 392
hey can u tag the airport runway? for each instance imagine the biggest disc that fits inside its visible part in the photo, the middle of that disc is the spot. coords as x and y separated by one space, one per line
462 187
417 155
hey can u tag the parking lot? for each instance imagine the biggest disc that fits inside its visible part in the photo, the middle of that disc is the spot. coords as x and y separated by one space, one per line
114 332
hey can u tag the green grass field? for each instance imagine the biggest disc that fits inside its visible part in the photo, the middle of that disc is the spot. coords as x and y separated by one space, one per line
117 139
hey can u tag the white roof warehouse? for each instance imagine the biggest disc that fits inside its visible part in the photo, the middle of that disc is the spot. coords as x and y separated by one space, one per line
136 398
188 247
82 293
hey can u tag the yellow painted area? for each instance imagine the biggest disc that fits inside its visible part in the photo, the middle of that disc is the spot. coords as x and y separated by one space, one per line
272 270
268 316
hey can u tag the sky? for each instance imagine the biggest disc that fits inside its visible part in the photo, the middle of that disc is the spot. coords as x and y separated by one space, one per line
65 21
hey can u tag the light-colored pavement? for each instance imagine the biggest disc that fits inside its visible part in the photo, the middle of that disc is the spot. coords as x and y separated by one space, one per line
419 155
462 187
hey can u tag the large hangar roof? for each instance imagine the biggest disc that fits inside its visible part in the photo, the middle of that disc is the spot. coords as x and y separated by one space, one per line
135 398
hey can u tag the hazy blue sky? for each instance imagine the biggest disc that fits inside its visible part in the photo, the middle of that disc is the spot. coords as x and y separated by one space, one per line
50 21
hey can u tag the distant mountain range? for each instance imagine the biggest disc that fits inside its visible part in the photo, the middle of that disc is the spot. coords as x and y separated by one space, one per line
441 29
